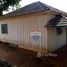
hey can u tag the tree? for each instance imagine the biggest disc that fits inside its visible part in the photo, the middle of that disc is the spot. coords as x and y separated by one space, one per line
4 4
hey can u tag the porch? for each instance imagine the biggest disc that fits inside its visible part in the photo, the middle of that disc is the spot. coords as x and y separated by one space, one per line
57 32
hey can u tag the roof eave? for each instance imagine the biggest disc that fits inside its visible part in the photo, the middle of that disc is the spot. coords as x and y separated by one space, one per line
47 11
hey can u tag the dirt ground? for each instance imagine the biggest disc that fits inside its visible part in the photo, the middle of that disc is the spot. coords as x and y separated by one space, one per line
19 57
26 58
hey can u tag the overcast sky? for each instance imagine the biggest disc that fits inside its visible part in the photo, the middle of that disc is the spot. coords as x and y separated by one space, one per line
60 4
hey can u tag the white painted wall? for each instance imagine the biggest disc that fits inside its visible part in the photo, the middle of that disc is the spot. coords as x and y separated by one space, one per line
20 28
56 41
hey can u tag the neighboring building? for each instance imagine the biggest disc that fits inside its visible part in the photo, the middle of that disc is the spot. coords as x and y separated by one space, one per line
36 27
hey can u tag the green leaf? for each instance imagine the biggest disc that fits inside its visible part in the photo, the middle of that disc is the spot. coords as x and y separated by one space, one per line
4 4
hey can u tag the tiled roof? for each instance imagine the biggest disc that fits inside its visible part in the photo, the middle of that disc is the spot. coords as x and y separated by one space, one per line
54 21
32 8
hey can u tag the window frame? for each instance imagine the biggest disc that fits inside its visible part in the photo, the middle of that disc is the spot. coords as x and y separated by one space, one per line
4 28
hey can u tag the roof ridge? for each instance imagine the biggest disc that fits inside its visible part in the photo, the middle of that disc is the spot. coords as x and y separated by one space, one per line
34 7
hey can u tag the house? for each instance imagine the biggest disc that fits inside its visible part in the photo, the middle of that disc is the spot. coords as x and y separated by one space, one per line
36 27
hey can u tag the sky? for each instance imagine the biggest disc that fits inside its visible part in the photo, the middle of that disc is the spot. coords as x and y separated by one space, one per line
59 4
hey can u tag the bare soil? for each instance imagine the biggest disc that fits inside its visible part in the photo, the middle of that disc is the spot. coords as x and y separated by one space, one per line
25 58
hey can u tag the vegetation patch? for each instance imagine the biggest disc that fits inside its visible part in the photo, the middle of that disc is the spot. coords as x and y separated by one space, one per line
4 63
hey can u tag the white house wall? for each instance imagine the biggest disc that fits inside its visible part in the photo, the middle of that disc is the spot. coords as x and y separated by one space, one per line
56 41
20 28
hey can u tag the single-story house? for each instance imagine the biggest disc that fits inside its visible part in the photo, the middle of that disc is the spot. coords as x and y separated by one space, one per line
36 27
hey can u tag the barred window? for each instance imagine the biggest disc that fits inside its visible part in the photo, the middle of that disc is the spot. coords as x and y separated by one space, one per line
4 28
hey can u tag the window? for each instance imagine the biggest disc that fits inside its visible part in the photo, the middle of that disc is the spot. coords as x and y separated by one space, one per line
59 31
4 29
